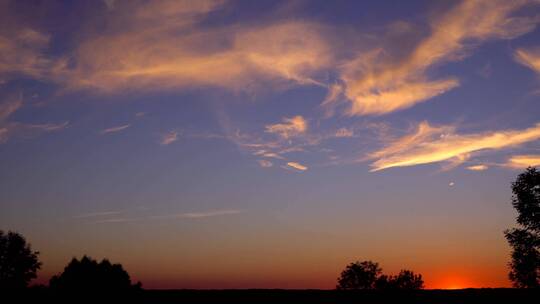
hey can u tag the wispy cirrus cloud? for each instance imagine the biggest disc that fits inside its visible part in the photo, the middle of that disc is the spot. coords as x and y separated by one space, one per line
430 144
184 54
97 214
8 107
344 132
265 163
23 53
115 129
523 161
198 215
381 81
8 128
289 127
529 58
169 138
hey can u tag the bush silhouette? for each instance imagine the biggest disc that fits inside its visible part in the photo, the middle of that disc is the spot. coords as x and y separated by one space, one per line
368 275
89 275
525 241
18 263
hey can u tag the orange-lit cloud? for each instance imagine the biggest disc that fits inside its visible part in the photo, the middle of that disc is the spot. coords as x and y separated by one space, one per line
436 144
22 53
523 161
9 107
478 168
529 58
162 45
377 83
297 166
290 127
115 129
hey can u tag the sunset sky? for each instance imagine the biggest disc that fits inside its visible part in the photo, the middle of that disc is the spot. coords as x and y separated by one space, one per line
267 144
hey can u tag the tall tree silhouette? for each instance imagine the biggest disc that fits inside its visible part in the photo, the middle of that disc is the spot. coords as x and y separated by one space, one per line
359 275
18 263
525 241
89 275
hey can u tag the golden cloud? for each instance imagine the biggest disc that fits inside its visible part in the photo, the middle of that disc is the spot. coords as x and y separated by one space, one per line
436 144
376 83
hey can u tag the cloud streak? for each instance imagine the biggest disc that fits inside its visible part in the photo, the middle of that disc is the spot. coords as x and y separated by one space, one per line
199 215
115 129
478 167
436 144
297 166
529 58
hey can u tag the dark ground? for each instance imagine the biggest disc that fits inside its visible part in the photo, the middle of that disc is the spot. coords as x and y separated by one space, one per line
465 296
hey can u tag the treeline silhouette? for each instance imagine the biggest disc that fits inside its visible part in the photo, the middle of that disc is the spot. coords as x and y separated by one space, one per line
88 279
368 275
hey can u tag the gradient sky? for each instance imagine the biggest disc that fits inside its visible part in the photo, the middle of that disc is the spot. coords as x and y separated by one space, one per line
266 144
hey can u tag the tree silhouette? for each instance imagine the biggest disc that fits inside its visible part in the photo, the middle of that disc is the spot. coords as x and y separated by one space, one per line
18 263
368 275
407 280
525 241
89 275
359 275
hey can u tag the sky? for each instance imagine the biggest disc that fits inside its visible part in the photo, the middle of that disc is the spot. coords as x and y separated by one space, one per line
267 144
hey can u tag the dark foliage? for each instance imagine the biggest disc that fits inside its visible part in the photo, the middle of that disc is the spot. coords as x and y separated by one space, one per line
368 275
525 241
87 275
359 275
407 280
18 263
